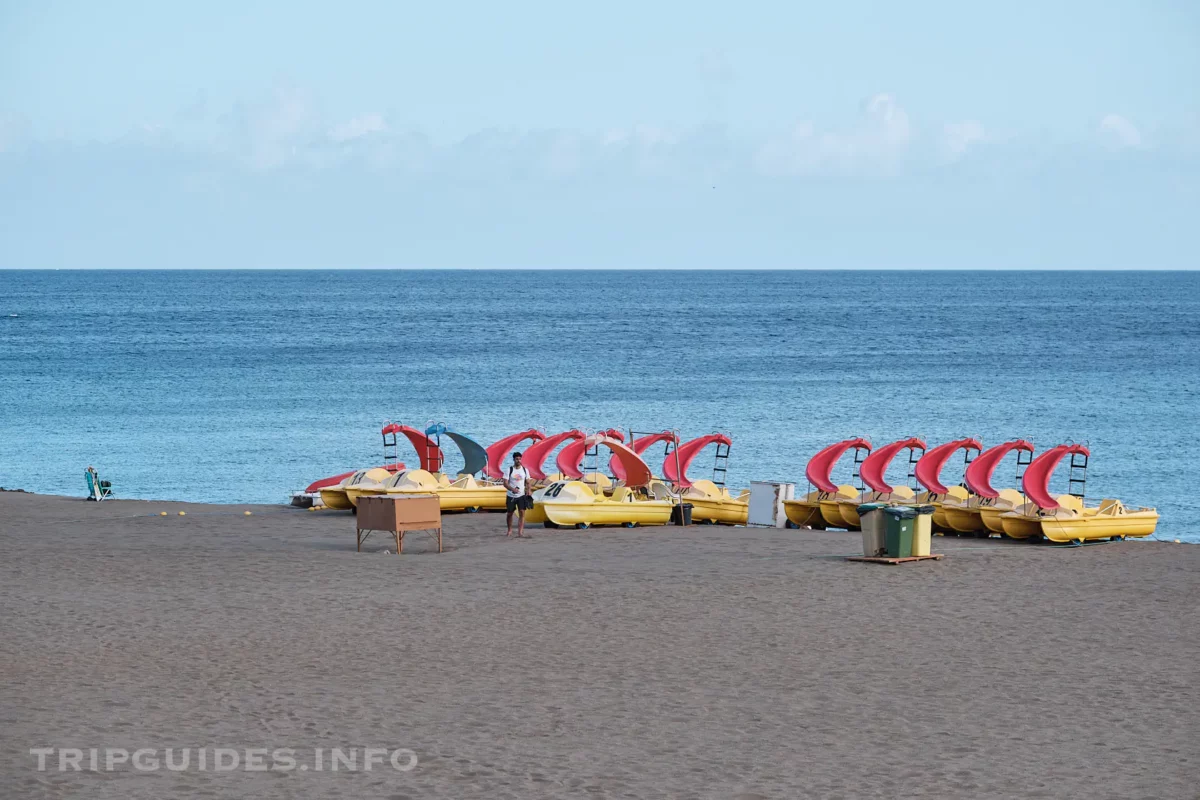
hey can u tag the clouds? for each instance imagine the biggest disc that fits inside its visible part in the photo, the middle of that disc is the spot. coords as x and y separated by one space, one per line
285 128
270 131
362 125
14 131
877 144
1119 132
958 137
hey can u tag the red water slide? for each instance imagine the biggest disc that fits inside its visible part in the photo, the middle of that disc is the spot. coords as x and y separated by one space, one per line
640 446
875 465
636 471
430 454
570 458
1036 481
929 468
535 455
819 471
684 454
979 472
500 450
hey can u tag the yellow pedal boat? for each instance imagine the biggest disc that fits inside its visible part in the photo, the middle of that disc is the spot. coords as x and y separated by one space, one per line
713 503
1066 518
805 512
979 514
597 482
830 504
573 502
937 494
821 508
464 493
344 496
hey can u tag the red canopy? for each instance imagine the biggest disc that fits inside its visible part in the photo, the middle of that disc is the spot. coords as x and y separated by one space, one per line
430 454
820 466
535 455
500 450
636 471
1036 481
876 464
929 468
685 453
571 456
640 446
979 472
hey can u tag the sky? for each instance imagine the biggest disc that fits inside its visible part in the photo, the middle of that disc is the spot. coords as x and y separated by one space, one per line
849 135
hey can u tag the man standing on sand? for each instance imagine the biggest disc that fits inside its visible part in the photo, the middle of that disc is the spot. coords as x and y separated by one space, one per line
517 497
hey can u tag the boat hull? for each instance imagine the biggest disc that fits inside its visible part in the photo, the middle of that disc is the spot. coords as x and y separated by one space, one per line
573 503
992 518
334 497
1076 527
722 512
964 519
482 498
831 511
713 503
648 512
849 511
804 513
353 493
1020 526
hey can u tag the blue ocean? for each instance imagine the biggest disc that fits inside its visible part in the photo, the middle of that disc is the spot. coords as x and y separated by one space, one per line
243 386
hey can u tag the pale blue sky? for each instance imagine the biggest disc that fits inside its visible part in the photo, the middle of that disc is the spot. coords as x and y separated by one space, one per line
781 134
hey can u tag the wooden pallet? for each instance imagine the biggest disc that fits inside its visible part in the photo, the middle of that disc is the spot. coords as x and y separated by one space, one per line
885 560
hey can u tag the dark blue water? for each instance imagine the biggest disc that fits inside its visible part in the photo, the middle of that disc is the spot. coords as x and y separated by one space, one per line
243 386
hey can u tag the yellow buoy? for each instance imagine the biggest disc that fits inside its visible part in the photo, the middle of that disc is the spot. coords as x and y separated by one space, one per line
162 513
182 513
247 513
1178 542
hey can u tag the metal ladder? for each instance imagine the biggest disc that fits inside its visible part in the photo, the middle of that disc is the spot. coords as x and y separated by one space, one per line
391 447
1077 480
860 455
721 464
433 452
591 466
968 456
914 455
1024 459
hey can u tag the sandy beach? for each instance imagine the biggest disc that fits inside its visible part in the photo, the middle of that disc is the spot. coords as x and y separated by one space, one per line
699 662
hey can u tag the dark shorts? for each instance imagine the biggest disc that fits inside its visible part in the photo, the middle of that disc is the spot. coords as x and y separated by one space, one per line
513 503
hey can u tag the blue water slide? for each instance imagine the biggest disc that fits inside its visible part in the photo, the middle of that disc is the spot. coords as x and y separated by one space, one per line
473 453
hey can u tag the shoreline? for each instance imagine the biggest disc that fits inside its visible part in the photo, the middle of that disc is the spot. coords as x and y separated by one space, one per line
701 661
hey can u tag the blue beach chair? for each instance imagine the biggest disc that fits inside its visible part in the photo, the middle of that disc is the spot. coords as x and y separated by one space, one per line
97 489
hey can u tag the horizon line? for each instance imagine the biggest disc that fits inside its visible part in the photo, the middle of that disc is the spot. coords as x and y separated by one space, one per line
599 269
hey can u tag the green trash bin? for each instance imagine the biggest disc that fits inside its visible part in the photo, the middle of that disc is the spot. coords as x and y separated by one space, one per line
901 522
873 525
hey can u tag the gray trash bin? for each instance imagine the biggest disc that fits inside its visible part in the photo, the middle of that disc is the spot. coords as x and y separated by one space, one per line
874 526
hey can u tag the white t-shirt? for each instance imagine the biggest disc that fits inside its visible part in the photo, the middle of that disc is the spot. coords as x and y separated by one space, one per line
516 481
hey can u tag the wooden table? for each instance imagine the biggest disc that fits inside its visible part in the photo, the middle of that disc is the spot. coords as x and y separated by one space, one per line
399 515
